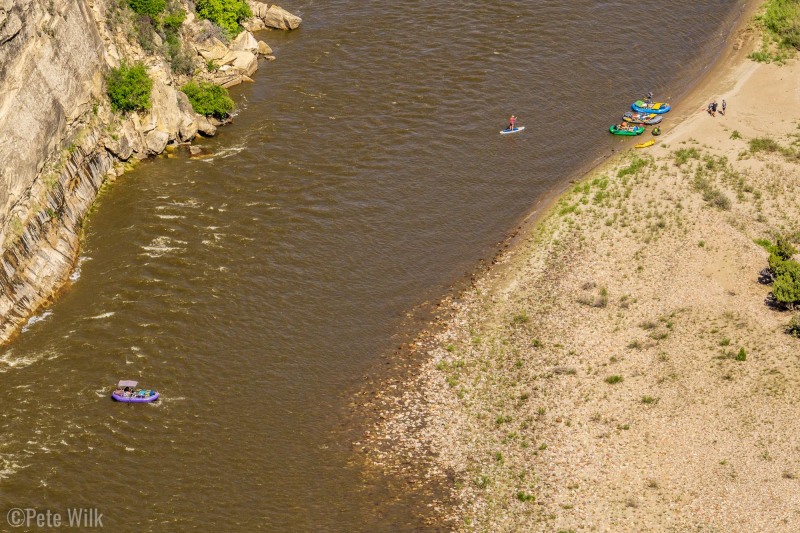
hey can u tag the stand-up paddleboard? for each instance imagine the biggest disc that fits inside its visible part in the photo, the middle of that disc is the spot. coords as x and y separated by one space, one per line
515 130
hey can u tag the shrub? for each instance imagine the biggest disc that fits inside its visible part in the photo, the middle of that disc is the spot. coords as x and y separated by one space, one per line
613 380
793 328
685 154
129 87
174 18
181 61
717 198
637 163
227 14
144 32
784 248
742 355
764 144
151 8
786 288
782 18
208 99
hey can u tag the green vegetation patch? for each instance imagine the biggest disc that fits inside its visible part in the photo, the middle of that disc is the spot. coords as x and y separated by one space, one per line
785 271
683 155
227 14
129 87
780 22
151 8
208 99
637 164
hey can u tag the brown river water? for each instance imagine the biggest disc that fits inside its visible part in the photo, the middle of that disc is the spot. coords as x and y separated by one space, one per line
256 288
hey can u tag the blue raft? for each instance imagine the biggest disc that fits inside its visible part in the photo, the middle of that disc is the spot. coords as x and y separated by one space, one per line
659 108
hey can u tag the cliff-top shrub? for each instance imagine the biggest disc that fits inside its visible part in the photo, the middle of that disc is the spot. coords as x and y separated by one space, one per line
151 8
129 87
227 14
208 99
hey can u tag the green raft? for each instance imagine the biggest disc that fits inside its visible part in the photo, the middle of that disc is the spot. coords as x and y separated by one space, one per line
626 129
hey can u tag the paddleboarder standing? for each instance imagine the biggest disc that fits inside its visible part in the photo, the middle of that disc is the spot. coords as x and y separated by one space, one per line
512 123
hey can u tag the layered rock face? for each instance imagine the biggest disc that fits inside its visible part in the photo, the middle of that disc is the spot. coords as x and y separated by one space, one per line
59 139
51 64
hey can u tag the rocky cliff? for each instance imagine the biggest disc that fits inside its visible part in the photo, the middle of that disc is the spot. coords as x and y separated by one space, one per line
59 138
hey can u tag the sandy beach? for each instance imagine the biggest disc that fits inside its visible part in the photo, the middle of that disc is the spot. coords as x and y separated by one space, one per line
618 368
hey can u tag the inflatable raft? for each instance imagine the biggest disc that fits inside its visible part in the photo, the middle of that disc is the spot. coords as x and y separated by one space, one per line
646 144
626 129
659 108
642 118
127 392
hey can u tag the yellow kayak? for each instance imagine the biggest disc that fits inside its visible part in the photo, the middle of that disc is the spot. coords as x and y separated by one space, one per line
645 144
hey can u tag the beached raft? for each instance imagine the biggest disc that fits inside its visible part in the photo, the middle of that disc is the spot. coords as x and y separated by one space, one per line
642 118
659 108
626 129
646 144
127 392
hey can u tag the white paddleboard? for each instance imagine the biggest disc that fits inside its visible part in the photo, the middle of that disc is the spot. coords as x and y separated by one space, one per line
515 130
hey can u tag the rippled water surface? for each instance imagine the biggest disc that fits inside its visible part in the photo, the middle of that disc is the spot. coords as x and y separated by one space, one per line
363 175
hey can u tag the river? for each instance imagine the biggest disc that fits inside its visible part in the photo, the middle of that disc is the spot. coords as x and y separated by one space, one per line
254 286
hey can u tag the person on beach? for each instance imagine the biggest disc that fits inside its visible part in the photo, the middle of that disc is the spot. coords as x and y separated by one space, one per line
711 109
714 107
724 105
512 123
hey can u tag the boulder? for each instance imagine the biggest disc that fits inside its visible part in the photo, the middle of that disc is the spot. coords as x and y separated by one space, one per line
259 9
253 24
165 113
120 148
247 62
229 81
245 42
279 18
211 49
156 141
264 49
188 128
195 150
204 126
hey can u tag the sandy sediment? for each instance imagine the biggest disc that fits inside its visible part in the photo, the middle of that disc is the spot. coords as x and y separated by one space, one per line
589 381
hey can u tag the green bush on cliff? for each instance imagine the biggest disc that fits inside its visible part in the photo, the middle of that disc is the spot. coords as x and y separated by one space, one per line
151 8
208 99
129 87
227 14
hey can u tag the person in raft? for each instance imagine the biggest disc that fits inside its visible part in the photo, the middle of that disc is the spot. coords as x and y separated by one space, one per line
649 99
512 123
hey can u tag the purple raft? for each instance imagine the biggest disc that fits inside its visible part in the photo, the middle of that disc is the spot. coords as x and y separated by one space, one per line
128 393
